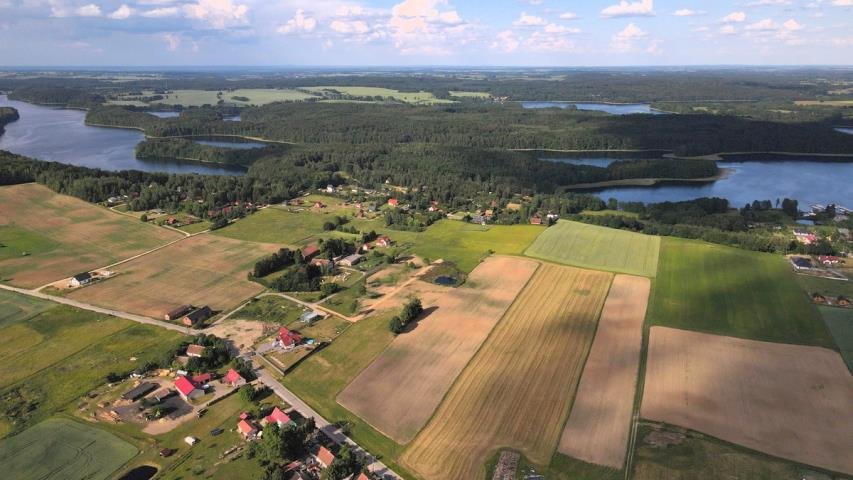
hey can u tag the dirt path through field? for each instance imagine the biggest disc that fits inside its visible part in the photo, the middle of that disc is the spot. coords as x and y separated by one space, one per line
597 430
791 401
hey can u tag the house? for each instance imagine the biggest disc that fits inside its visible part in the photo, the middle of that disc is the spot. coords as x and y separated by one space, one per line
278 417
233 378
351 260
202 379
323 263
288 338
801 263
195 350
197 316
536 220
177 313
187 388
139 391
81 279
829 260
489 214
323 456
383 241
330 189
163 394
805 237
818 298
319 205
190 440
310 252
247 429
433 206
310 316
392 202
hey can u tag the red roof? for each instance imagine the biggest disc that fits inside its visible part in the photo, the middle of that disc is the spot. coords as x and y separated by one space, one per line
232 376
392 202
362 476
195 350
830 258
310 251
244 415
277 416
184 385
202 378
245 427
325 456
288 337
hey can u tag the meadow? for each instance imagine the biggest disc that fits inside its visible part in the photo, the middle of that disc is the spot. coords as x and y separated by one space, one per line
196 98
16 308
600 248
64 235
201 270
840 324
420 98
275 225
518 388
60 448
728 291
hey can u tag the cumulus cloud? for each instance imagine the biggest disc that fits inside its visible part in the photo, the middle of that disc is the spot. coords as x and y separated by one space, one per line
218 14
162 12
525 20
569 16
300 23
506 42
90 10
172 40
734 17
686 12
428 27
626 39
348 27
121 13
642 8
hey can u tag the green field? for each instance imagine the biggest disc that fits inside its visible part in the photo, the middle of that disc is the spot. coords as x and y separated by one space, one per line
561 467
16 241
728 291
271 309
274 225
454 93
16 308
840 324
599 248
386 93
63 449
195 98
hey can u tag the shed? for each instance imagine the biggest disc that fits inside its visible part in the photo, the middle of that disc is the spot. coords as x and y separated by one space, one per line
139 391
197 316
177 313
195 350
81 279
351 260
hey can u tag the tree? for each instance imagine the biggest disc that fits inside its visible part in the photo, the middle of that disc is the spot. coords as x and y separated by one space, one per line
143 217
345 464
790 207
247 393
395 325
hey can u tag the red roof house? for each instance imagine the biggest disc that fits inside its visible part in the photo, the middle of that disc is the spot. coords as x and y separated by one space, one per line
247 429
233 378
187 388
288 338
324 456
245 416
829 260
195 350
362 476
201 379
392 202
278 417
383 241
310 252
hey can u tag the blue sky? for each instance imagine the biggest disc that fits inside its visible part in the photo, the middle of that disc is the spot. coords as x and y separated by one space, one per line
425 32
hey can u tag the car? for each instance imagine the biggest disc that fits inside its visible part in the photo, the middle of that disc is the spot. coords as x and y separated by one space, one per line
216 431
166 452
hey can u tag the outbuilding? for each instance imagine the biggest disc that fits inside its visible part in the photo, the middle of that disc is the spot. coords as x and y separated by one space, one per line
81 279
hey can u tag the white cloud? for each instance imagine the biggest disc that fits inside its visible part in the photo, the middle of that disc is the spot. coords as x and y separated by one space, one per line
734 17
642 8
172 40
300 23
569 16
765 3
162 12
625 40
686 12
424 27
842 3
219 14
90 10
121 13
765 24
506 42
525 20
728 30
350 27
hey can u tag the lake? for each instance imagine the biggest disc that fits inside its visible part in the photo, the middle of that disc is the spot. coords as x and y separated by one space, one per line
614 108
845 130
165 114
59 135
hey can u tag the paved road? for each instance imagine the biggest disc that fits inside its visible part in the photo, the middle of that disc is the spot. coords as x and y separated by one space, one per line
330 430
93 308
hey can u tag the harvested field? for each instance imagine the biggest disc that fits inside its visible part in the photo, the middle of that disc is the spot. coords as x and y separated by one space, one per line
597 430
516 391
202 270
789 401
401 389
63 235
591 246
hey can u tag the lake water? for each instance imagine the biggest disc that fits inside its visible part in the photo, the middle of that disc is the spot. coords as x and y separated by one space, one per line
614 108
845 130
166 114
235 118
59 135
807 182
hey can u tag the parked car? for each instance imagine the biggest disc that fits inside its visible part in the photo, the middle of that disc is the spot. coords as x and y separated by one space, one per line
216 431
166 452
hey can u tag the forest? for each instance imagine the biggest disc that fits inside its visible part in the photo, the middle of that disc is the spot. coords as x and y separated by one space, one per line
7 115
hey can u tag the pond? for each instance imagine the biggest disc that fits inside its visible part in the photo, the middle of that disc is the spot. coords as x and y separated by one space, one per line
445 280
143 472
165 114
613 108
60 135
847 130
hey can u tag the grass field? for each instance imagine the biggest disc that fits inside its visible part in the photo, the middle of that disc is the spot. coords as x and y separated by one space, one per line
790 401
16 308
256 96
273 225
460 94
202 270
728 291
63 449
600 248
64 235
401 389
426 98
840 324
827 103
517 390
272 308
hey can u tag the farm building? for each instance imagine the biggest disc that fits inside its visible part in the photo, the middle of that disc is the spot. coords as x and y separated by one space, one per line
829 260
383 241
177 313
247 429
392 202
310 252
801 263
288 338
197 316
195 350
278 417
323 263
233 378
536 220
139 391
81 279
187 388
351 260
163 394
805 237
323 456
310 316
202 379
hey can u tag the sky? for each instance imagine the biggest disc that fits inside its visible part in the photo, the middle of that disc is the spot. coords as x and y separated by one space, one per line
425 32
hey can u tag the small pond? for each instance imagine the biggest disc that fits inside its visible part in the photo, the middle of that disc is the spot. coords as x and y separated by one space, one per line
143 472
612 108
445 280
165 114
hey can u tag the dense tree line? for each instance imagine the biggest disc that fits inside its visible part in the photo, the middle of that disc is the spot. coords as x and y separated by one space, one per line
283 258
298 278
187 149
7 115
410 312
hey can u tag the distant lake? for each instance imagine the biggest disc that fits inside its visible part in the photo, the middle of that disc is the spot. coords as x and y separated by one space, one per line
806 181
594 162
614 108
165 114
59 135
845 130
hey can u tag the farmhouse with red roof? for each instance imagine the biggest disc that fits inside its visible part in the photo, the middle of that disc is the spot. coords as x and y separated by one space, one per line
310 252
247 429
392 202
195 350
187 388
278 417
288 338
233 378
383 241
202 379
324 456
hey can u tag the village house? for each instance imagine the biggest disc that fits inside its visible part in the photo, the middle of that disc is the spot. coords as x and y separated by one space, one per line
197 316
310 252
177 313
187 388
195 350
829 260
202 379
433 206
324 263
319 205
805 237
323 456
233 378
277 417
81 279
351 260
490 213
383 241
393 202
311 316
247 429
288 338
163 394
536 220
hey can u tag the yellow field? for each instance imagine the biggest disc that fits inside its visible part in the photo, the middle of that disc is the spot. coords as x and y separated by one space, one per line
828 103
517 390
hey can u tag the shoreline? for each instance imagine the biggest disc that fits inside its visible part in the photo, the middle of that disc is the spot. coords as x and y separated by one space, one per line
647 182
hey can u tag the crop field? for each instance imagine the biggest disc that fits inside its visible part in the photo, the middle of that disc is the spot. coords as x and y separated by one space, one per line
63 236
202 270
386 93
460 94
790 401
729 291
274 225
840 324
401 389
597 429
591 246
196 98
62 449
517 390
16 308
